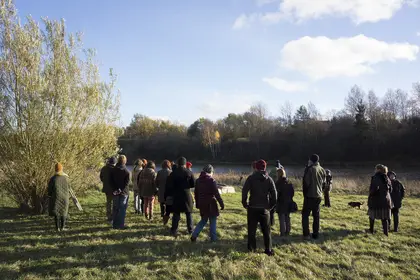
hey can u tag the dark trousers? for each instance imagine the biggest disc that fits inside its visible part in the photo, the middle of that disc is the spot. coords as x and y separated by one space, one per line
385 226
60 222
258 216
272 214
285 225
396 214
162 209
109 199
310 205
176 217
327 201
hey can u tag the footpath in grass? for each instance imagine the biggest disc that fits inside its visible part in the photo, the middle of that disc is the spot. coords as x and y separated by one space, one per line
31 249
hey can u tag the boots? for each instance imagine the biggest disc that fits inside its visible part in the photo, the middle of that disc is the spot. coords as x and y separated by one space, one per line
57 223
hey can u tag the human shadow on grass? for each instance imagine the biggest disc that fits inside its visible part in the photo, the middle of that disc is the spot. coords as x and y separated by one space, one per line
103 256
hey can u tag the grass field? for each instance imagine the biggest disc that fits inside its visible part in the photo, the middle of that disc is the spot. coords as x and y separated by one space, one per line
31 249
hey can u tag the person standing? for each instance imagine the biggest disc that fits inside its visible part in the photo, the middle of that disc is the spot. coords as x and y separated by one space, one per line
379 200
120 182
107 188
138 167
182 181
326 188
397 196
285 193
161 179
147 185
169 197
313 180
59 196
262 199
189 166
206 198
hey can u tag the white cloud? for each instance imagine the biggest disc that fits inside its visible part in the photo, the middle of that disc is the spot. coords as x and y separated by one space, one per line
322 57
284 85
360 11
218 104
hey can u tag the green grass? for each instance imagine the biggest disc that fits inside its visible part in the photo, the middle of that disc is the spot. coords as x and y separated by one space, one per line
31 249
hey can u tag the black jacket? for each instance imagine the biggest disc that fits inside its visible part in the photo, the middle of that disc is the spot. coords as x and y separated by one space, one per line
285 193
120 179
262 191
379 192
179 185
397 194
106 178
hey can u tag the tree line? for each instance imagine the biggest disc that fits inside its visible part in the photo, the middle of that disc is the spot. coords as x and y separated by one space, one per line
368 128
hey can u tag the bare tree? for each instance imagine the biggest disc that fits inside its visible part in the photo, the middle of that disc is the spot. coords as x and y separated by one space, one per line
286 113
355 98
313 111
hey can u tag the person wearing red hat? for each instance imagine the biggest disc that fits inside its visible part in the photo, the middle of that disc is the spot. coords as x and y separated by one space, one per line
262 198
189 165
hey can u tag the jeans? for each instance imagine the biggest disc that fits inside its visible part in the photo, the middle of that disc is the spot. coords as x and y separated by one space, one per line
327 201
138 202
148 206
285 226
395 212
202 223
310 204
261 216
60 222
120 209
175 222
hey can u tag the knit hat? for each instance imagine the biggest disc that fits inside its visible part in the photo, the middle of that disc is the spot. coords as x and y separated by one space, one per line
261 165
189 164
58 167
112 161
208 169
314 158
392 173
182 161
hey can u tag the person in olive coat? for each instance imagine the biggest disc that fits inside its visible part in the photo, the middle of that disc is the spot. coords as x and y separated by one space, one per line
59 196
147 186
379 200
105 177
181 182
397 195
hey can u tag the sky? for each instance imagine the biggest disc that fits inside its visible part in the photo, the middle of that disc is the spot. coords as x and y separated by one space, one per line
186 59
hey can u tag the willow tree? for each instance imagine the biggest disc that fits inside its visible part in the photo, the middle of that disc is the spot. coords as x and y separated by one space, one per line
54 107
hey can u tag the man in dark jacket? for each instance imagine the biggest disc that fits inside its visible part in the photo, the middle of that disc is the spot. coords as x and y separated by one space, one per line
120 183
262 199
397 195
179 186
107 185
313 180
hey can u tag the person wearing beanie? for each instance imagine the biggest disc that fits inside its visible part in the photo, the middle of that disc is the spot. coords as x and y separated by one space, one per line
262 199
313 181
59 197
180 184
326 188
105 177
189 165
120 182
397 196
207 196
139 165
285 193
161 178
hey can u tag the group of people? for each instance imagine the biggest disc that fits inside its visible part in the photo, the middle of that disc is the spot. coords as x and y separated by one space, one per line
262 197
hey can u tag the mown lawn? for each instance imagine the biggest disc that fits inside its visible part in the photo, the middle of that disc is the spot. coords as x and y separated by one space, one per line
31 249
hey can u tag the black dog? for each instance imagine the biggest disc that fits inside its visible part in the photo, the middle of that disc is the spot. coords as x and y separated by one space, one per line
355 204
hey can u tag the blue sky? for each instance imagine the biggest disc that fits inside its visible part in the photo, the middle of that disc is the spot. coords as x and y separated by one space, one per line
181 60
